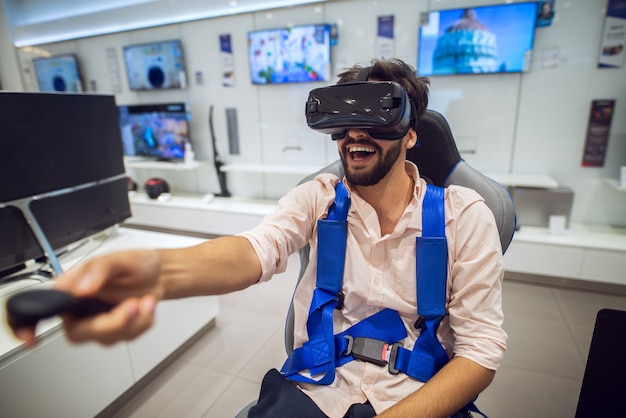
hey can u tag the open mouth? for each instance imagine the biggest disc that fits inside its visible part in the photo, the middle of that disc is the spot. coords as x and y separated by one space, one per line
360 152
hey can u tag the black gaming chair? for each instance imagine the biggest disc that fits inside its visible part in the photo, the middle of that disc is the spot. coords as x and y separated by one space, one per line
439 163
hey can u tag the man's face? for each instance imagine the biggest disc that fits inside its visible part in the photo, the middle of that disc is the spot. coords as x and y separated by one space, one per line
365 160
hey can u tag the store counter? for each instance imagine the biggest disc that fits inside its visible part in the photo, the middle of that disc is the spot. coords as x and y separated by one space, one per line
60 379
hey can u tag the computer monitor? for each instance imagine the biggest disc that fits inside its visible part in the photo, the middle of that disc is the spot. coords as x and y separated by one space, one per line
59 73
155 131
155 65
61 158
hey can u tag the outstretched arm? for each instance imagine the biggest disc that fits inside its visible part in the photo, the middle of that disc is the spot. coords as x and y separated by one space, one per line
135 280
453 387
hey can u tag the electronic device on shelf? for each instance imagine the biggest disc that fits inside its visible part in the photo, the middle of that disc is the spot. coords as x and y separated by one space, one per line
65 180
155 65
155 131
59 73
477 40
289 55
156 186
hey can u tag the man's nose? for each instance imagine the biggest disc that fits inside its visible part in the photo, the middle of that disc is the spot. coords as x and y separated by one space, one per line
356 133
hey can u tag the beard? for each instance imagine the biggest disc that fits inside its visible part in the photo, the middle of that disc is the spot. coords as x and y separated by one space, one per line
371 176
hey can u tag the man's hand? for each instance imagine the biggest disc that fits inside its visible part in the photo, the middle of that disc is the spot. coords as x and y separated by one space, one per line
128 280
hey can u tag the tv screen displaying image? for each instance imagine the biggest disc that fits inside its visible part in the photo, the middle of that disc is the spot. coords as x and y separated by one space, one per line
290 55
487 39
58 73
156 65
155 131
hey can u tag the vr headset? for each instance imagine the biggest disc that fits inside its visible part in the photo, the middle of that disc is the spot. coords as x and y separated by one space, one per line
383 108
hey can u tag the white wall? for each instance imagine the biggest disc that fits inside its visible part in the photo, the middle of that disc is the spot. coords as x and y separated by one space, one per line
528 123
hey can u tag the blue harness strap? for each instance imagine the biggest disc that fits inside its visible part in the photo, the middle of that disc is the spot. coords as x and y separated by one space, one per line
431 268
318 354
324 351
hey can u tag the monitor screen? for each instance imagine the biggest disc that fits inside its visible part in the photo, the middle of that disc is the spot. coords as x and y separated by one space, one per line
477 40
157 131
52 141
290 55
66 150
58 73
156 65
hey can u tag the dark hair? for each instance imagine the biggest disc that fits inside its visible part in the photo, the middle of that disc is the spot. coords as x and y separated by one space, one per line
398 71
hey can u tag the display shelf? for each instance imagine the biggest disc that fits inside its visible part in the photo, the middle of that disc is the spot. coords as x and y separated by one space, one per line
208 202
615 184
598 237
199 214
589 254
163 165
301 169
523 180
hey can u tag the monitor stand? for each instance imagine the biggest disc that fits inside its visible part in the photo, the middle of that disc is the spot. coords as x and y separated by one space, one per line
24 206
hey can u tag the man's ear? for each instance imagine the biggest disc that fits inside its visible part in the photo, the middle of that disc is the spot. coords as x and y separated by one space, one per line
411 138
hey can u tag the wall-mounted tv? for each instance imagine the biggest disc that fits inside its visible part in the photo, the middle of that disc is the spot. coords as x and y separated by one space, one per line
155 65
58 73
290 55
477 40
155 131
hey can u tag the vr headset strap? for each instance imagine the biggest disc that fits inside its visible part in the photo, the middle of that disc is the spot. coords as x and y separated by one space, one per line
363 74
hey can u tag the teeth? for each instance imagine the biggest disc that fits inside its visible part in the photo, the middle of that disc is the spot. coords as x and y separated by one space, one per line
361 149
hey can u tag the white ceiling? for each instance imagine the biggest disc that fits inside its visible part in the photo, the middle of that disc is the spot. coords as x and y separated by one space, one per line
42 21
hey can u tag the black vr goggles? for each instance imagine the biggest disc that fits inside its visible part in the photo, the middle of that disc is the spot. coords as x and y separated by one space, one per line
383 108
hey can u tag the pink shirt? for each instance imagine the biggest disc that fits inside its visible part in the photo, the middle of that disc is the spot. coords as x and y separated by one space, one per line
380 273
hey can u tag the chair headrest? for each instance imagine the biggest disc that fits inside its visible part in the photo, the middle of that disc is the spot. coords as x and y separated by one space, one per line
435 153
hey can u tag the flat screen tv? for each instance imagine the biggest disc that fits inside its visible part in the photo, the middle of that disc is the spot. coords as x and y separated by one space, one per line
290 55
155 65
155 131
58 73
477 40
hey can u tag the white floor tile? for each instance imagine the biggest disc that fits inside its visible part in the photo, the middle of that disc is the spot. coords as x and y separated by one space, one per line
270 355
233 342
199 395
542 346
530 301
520 393
238 395
581 307
182 389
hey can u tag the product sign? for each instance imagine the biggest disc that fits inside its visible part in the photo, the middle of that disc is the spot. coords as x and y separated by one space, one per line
384 40
228 65
545 13
612 52
598 133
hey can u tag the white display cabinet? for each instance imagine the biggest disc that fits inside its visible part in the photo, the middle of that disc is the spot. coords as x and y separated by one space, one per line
60 379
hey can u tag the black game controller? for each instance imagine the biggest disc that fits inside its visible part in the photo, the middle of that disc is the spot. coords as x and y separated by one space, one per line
28 307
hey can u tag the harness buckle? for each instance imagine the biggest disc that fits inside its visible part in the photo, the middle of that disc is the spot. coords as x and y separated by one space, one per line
373 351
340 298
420 322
